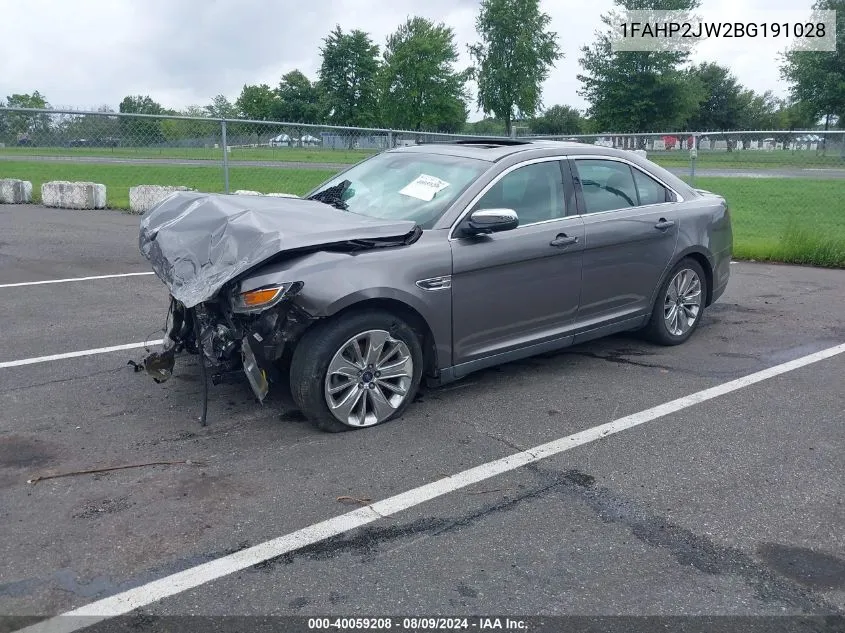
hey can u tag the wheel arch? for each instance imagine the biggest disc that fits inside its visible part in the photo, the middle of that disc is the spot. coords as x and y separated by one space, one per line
703 258
402 309
706 263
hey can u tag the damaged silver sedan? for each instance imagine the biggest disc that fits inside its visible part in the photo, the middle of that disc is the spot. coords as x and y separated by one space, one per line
431 262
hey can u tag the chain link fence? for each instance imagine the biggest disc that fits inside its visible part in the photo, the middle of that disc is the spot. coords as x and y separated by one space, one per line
786 188
124 151
760 153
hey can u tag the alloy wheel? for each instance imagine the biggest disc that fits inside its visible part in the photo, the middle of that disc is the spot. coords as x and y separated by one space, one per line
368 378
682 303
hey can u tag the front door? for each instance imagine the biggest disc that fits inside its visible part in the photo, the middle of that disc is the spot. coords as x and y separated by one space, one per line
519 287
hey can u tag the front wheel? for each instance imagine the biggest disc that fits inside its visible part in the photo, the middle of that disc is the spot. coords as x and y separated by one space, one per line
356 371
679 304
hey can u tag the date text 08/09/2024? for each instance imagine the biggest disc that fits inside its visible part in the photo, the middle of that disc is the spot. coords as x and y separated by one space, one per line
417 624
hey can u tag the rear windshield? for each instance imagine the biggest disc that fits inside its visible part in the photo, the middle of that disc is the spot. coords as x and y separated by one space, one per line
405 186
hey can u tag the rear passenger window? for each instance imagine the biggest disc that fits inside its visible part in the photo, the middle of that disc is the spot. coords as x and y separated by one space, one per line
606 185
651 191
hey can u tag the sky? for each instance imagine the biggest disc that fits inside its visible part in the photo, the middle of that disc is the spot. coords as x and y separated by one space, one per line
87 53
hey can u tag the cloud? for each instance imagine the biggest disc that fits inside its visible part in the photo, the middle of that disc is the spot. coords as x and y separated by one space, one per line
86 53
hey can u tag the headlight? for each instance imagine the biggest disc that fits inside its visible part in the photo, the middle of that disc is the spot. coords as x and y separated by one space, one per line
264 297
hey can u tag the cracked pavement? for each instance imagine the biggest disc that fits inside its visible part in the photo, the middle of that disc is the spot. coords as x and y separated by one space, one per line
730 507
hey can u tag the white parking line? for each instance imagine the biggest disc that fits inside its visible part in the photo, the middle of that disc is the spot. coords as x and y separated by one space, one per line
64 281
84 352
127 601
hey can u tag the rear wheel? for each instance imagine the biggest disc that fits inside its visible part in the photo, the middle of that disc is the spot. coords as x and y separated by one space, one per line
356 371
679 304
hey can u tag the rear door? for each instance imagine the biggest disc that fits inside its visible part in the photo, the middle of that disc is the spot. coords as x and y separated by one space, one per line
632 225
519 287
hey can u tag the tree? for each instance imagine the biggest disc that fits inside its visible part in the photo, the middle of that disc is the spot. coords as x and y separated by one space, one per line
722 107
419 86
35 100
637 91
486 126
202 129
140 105
797 115
25 125
221 108
195 111
758 111
257 102
513 58
558 120
348 74
817 78
764 111
140 131
298 100
97 130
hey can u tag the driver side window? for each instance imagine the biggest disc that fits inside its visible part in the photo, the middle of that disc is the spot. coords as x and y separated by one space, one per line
606 185
534 191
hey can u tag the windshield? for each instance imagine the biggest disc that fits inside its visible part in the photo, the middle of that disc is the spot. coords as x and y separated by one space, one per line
401 186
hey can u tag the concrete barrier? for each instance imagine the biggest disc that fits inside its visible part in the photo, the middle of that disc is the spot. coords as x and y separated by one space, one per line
73 195
142 198
13 191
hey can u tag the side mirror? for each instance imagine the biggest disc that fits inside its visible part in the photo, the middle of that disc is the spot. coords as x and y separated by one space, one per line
485 221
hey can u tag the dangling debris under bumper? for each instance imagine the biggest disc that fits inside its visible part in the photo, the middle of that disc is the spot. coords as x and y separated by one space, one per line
232 346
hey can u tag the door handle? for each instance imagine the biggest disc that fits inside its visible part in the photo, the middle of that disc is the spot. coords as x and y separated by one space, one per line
664 224
563 239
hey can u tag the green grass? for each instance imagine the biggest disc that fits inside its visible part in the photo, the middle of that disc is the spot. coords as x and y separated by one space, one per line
745 159
796 221
118 178
751 159
280 154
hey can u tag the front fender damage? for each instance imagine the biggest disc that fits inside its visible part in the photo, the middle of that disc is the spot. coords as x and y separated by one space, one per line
232 346
200 245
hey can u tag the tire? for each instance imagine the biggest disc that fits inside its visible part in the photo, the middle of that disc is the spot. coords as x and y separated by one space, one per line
658 330
331 344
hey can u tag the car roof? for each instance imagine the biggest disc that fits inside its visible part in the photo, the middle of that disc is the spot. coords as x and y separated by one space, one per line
495 149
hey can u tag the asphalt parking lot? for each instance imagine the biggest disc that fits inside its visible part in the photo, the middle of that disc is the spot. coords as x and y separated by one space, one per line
730 506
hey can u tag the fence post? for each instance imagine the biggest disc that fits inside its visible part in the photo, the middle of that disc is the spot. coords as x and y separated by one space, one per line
390 139
225 155
693 155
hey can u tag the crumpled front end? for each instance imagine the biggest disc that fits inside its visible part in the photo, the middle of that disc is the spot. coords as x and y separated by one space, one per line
202 246
197 243
232 340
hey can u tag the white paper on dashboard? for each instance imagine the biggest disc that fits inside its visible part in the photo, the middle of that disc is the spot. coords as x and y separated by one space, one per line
424 187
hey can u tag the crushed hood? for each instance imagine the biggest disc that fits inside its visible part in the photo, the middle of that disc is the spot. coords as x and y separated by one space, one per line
198 242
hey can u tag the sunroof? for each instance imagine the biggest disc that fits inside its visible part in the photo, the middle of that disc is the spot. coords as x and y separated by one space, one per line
492 142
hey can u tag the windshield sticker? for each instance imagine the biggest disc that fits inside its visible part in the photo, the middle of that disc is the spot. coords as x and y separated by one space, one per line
424 187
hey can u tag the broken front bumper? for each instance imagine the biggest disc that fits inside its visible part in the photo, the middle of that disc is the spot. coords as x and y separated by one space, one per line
244 345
